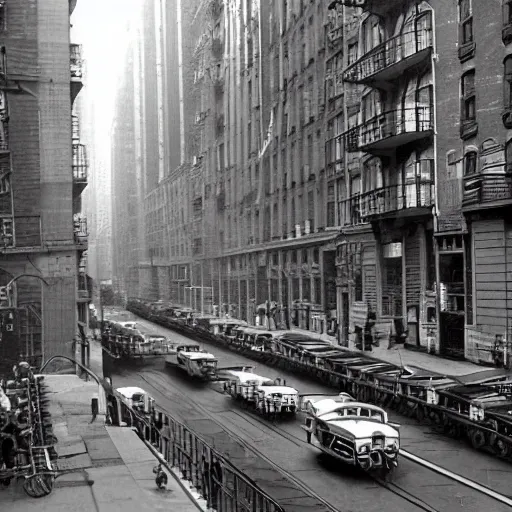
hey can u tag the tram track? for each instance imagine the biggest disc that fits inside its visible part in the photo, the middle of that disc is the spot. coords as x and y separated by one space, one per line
407 488
235 436
156 381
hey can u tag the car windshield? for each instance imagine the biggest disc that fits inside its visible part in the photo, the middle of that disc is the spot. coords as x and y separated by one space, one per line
363 412
137 397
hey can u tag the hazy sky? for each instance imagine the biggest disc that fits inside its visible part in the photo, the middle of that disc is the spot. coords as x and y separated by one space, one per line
101 27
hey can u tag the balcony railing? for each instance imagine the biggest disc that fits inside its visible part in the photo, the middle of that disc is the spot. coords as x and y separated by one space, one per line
394 198
391 129
80 229
4 130
487 190
79 164
75 60
350 211
409 197
391 58
75 128
84 286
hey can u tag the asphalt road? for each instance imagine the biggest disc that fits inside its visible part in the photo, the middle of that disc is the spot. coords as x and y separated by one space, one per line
410 487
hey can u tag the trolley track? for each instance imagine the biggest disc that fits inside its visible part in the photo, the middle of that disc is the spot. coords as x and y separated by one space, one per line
479 470
157 381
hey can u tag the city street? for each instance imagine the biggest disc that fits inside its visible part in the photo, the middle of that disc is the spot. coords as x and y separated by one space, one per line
410 487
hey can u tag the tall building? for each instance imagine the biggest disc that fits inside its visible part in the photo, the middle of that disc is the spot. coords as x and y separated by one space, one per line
244 219
427 180
346 160
44 171
149 152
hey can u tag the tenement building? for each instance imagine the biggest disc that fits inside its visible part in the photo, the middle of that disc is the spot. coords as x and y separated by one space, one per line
333 161
43 170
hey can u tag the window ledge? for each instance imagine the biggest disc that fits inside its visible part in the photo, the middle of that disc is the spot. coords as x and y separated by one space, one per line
506 117
506 34
468 129
467 51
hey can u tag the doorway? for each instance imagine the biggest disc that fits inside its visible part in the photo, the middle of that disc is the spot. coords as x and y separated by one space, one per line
452 301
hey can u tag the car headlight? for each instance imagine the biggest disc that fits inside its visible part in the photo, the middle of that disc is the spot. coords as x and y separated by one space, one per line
363 447
394 446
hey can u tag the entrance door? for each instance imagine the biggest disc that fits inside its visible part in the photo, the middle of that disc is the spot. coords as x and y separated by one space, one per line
452 299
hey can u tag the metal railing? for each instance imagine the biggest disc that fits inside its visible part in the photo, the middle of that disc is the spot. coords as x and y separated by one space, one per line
79 163
349 211
84 291
75 60
390 124
487 188
80 229
390 52
356 209
4 131
219 483
416 194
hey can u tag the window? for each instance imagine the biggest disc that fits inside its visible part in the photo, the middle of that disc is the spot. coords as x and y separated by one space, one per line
358 274
465 21
331 207
507 78
468 110
470 163
310 155
507 12
352 53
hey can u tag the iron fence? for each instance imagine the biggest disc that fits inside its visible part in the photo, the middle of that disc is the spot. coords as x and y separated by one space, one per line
218 481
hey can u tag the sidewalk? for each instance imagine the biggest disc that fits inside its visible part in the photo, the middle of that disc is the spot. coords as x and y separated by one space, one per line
104 469
399 355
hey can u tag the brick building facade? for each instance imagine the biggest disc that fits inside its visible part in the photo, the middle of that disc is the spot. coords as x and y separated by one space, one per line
43 172
339 162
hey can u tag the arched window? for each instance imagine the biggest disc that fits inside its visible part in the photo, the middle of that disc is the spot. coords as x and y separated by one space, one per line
470 159
468 106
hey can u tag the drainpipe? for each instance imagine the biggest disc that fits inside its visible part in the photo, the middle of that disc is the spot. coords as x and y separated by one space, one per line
434 60
260 81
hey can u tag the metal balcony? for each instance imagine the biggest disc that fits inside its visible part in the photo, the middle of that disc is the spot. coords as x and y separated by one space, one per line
392 58
485 191
84 289
391 129
80 166
80 232
414 198
75 128
4 130
76 69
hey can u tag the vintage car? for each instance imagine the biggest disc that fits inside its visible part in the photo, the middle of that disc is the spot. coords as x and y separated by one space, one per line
134 397
356 433
241 385
195 361
266 396
274 398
